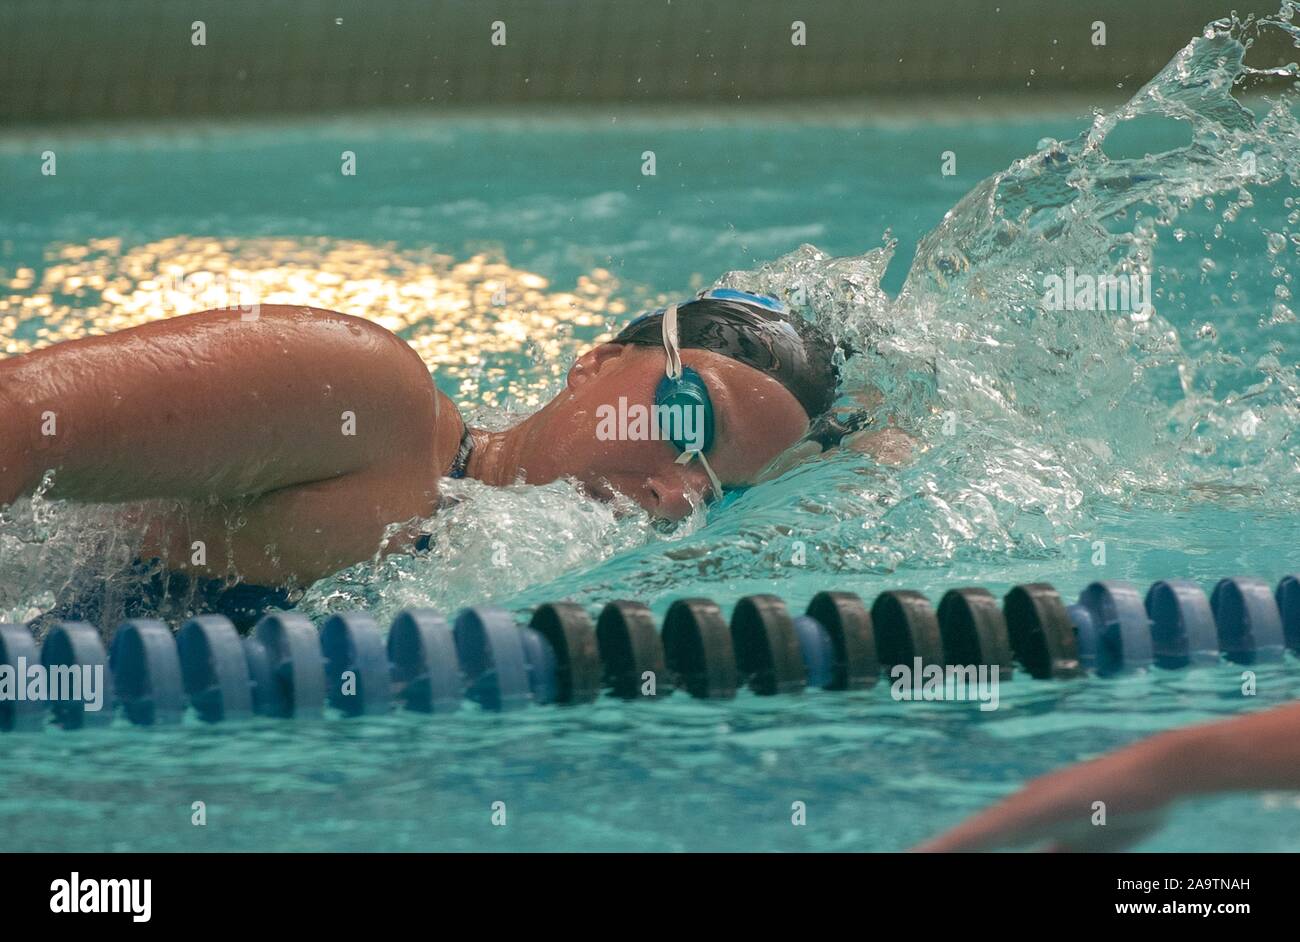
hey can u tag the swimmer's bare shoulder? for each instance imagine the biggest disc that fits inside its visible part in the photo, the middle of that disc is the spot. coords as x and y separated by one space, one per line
326 427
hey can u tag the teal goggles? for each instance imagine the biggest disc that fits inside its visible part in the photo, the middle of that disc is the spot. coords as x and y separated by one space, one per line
683 406
685 411
682 397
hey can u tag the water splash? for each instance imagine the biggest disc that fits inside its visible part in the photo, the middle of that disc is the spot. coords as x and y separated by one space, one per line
1034 421
492 542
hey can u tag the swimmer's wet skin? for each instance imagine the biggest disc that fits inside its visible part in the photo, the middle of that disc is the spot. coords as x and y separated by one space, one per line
319 430
1246 753
249 412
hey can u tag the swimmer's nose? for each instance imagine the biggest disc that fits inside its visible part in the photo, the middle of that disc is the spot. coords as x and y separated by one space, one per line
675 498
668 504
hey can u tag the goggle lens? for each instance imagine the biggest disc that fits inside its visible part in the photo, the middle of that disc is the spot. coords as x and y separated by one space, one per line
685 412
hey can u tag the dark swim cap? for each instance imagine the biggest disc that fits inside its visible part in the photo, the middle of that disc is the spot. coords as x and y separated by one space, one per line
758 331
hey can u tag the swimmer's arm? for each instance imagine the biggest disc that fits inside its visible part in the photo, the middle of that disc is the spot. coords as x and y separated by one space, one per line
1256 752
1248 753
216 405
889 445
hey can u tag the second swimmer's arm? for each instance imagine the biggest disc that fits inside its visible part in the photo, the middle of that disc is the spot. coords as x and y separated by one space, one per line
1256 752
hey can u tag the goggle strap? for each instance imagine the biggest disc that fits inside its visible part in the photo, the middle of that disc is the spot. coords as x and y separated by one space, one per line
673 369
686 456
713 478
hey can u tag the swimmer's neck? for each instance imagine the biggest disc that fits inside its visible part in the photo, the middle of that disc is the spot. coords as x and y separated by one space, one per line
526 453
498 458
495 457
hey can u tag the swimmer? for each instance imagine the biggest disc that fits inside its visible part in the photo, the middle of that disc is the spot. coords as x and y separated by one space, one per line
318 430
1248 753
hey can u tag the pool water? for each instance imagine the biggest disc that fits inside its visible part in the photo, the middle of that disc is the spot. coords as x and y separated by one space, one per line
1053 445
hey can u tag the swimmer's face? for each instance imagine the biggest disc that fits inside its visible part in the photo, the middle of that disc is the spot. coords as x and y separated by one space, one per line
755 419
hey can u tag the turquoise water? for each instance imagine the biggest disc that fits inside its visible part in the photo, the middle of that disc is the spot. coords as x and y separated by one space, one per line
1167 440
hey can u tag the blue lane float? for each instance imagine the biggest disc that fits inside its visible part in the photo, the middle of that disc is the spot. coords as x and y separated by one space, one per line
18 652
425 667
491 652
1087 637
147 672
817 650
1182 624
1287 597
214 669
357 672
75 661
1118 628
261 679
286 668
543 666
296 683
1250 625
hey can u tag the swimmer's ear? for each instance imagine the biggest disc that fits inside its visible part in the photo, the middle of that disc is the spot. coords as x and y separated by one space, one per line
593 361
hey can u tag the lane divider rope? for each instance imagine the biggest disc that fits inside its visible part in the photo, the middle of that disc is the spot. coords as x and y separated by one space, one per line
285 667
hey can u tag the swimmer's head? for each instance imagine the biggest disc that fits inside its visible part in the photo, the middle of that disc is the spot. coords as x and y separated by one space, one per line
761 380
756 330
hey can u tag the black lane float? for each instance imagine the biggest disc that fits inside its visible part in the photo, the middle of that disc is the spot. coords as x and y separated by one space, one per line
285 667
